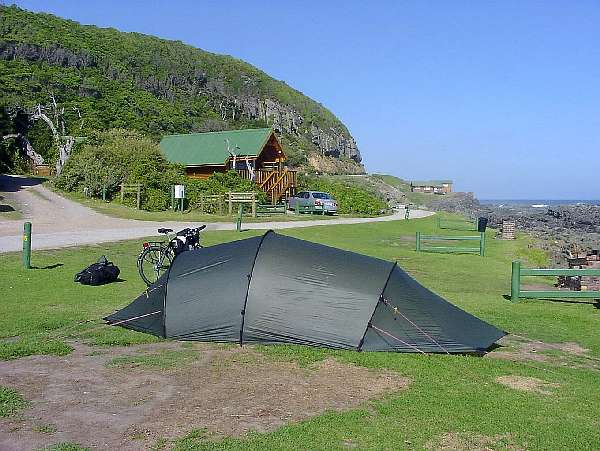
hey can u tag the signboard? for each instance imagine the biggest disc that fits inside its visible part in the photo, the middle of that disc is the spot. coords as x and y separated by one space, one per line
179 191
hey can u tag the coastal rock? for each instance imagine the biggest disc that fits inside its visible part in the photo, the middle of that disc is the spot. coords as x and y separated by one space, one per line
562 230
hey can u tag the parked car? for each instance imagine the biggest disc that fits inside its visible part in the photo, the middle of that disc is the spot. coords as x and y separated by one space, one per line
314 201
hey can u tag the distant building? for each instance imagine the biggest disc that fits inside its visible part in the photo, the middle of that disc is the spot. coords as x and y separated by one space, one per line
431 186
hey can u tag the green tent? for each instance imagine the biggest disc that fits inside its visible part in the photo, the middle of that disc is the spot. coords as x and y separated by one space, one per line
278 289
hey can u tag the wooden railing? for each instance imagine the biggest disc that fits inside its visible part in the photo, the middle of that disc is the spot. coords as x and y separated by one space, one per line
276 184
424 247
517 272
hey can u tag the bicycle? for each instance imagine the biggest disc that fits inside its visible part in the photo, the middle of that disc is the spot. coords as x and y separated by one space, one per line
157 256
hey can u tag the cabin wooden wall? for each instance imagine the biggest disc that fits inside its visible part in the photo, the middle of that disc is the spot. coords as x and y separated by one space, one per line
203 172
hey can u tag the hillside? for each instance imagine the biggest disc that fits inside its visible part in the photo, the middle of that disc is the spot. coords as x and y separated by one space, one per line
104 78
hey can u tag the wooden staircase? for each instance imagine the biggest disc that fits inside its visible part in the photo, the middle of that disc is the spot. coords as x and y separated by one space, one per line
277 184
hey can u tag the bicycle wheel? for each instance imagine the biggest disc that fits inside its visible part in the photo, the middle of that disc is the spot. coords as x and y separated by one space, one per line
153 262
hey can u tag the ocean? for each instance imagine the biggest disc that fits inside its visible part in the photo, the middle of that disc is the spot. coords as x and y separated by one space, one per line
540 203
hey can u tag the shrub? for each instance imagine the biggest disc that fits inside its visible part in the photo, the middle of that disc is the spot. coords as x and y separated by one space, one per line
120 156
155 200
350 199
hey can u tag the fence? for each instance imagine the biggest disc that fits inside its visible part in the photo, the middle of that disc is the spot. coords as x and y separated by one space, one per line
517 272
422 247
135 188
268 209
242 198
216 203
457 224
211 203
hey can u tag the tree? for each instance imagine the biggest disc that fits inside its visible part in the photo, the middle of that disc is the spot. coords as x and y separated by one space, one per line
57 126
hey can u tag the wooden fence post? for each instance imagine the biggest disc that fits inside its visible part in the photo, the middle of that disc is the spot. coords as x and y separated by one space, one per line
418 241
482 245
230 205
515 284
201 204
27 245
254 205
238 224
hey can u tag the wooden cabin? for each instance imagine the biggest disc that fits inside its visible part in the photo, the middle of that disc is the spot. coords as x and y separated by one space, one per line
256 154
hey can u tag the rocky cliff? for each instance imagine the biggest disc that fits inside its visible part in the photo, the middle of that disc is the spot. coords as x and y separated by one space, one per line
130 80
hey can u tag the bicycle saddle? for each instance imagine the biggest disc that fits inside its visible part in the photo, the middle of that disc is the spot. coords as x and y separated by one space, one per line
164 230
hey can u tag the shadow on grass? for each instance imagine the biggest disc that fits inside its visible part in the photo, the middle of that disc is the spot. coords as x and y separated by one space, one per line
593 302
54 266
6 208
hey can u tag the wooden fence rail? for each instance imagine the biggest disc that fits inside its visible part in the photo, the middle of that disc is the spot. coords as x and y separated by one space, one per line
423 247
242 198
134 188
457 224
211 203
517 272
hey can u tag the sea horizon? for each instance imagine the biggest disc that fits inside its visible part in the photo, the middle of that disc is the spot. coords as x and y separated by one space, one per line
538 202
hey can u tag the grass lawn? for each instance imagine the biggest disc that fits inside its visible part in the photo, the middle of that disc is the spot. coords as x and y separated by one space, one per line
454 402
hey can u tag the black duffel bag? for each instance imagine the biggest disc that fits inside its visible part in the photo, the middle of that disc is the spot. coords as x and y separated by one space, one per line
98 273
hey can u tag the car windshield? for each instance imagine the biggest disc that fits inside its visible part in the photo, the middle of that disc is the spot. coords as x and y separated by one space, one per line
321 196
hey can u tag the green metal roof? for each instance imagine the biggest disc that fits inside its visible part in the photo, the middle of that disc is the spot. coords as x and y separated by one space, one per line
436 183
198 149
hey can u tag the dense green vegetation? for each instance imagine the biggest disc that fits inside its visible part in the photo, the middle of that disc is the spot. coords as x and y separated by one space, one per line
11 402
456 395
109 158
113 157
134 81
350 198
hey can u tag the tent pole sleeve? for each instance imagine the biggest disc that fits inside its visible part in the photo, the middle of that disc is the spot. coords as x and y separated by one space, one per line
248 288
362 340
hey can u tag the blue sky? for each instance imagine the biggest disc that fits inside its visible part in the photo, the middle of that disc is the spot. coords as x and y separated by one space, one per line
501 96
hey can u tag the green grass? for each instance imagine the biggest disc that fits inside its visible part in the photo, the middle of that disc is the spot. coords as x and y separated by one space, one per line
164 359
45 428
11 402
66 446
448 394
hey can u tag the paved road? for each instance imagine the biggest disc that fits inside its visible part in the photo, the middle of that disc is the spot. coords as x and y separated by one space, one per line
59 222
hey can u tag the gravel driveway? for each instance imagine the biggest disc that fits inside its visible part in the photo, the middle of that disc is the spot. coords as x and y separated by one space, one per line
59 222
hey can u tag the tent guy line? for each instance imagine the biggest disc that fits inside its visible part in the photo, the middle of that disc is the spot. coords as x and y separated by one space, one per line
397 311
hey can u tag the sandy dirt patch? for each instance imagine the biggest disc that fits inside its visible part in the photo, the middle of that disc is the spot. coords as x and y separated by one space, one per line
474 442
530 384
568 354
225 390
